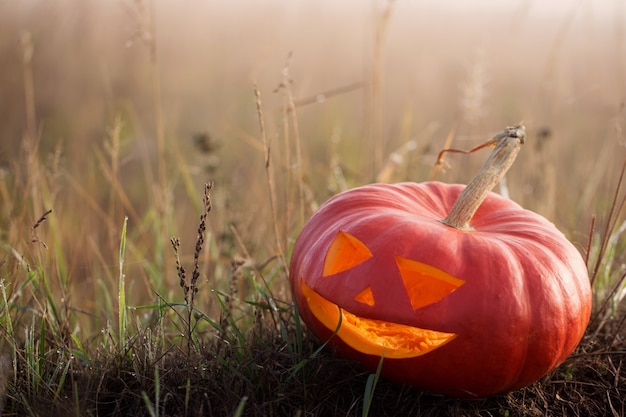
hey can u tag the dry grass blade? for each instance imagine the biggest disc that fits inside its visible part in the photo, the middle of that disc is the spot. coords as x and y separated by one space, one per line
291 120
440 162
325 95
382 21
610 223
270 177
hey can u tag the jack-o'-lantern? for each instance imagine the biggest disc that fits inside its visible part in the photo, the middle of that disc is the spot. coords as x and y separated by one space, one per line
461 291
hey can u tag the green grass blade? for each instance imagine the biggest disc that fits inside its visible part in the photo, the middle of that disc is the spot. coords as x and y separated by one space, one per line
232 323
61 383
122 319
297 367
240 407
299 330
5 316
81 353
76 399
55 324
157 389
149 404
370 387
42 347
187 395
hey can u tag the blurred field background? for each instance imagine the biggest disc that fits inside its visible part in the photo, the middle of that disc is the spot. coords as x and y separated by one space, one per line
126 108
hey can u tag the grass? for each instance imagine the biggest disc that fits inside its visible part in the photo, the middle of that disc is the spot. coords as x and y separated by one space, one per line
144 274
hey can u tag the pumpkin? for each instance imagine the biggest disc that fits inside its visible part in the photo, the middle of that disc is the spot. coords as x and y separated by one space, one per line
459 290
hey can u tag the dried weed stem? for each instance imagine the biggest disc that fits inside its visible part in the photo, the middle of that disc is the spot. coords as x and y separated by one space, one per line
290 116
377 120
34 235
270 176
190 286
144 19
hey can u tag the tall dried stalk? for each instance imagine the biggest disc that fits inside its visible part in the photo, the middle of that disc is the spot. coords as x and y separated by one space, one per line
112 148
270 176
609 294
29 86
440 162
117 194
144 19
110 166
30 143
377 113
546 93
291 119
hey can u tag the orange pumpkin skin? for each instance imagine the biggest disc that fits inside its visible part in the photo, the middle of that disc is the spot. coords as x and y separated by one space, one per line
519 308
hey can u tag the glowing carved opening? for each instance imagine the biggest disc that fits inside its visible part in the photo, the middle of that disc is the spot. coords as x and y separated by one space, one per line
373 337
366 296
345 252
424 283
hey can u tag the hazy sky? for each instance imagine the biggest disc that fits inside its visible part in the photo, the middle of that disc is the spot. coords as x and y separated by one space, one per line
537 7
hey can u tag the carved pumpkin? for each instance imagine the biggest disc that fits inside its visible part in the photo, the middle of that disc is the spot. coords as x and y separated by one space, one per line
465 311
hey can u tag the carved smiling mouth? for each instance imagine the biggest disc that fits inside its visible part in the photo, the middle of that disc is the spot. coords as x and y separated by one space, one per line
374 337
424 285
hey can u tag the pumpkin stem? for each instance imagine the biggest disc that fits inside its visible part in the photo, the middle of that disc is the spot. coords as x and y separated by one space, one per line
507 144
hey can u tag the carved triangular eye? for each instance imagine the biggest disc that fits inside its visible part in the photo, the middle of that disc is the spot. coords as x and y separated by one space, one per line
366 297
345 252
424 283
